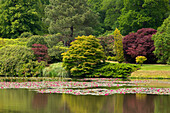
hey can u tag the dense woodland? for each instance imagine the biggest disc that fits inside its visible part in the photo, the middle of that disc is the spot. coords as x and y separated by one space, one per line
41 30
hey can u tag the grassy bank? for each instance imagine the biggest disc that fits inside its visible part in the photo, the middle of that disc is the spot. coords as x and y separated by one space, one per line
152 71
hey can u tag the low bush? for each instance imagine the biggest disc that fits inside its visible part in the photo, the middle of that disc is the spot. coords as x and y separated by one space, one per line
113 58
18 41
114 70
2 42
55 53
36 39
55 70
140 59
18 60
25 35
53 40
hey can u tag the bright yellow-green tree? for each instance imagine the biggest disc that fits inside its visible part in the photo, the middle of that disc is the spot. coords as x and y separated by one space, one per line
84 54
118 46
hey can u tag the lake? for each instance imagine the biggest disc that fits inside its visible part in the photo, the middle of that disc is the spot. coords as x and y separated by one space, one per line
33 100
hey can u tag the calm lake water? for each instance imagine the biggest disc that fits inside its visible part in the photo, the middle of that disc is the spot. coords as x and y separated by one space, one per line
29 101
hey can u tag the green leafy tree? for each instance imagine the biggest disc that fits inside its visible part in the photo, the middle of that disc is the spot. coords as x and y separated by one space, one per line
18 16
112 10
18 60
84 54
118 46
138 14
162 42
71 18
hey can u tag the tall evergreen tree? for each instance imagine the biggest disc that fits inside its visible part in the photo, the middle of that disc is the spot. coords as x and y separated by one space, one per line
71 18
118 45
18 16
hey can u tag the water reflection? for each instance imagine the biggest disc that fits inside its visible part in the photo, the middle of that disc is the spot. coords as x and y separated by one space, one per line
25 101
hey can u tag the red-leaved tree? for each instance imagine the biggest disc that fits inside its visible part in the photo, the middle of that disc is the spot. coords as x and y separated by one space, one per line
139 44
40 52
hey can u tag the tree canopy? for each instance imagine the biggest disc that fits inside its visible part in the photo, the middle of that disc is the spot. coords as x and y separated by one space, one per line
71 18
137 14
18 16
162 42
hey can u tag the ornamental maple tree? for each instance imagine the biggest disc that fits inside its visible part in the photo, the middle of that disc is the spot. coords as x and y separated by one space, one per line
40 52
139 44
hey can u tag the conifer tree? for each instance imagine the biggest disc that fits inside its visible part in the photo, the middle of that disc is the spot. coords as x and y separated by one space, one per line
70 18
118 46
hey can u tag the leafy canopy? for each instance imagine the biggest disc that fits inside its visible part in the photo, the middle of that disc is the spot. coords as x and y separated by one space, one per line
84 54
162 42
70 18
18 16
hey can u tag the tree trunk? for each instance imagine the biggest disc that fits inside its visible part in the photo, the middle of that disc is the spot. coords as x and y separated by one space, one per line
71 28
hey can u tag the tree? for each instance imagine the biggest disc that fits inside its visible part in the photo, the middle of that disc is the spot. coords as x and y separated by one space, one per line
113 11
107 43
138 14
40 52
18 16
84 54
162 42
71 18
118 46
139 44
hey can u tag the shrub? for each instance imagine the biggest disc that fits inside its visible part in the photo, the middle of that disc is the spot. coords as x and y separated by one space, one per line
139 44
40 52
114 70
26 35
140 59
118 46
18 41
55 53
53 40
36 39
55 70
2 42
113 58
19 61
84 54
107 43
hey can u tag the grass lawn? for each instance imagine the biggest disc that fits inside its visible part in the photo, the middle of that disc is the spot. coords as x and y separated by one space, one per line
152 71
155 67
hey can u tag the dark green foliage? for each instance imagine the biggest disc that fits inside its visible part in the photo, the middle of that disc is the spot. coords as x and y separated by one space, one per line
112 9
54 39
84 54
138 14
36 39
18 16
55 53
107 43
55 70
114 70
71 18
25 35
19 61
162 42
111 58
